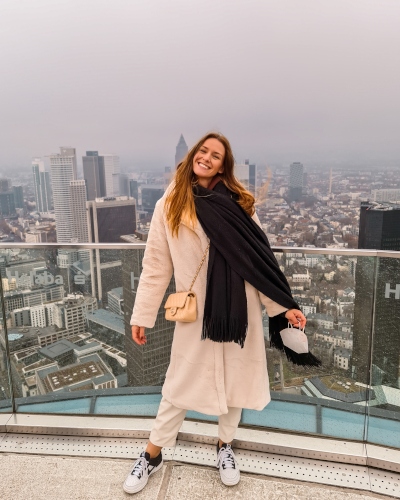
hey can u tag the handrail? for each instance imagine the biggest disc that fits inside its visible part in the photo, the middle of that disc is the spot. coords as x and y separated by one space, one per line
356 252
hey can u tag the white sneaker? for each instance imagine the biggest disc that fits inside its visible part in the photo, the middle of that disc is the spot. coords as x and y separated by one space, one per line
227 464
140 472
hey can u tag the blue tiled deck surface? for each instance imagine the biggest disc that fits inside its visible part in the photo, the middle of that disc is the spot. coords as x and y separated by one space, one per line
343 424
78 406
146 404
383 431
283 415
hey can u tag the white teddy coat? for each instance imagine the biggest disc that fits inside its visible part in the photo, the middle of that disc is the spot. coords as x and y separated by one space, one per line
203 375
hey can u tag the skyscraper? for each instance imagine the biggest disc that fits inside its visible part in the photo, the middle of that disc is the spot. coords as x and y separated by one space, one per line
305 182
167 176
63 171
379 226
252 179
7 206
181 150
78 191
41 186
151 193
18 196
108 219
246 175
111 166
5 185
123 185
296 181
134 191
380 230
146 365
94 175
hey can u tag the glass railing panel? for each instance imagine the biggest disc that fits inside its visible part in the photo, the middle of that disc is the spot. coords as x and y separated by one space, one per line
69 311
5 369
332 399
384 403
72 351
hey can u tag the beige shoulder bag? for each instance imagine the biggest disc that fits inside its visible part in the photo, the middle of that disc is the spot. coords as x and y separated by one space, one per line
182 306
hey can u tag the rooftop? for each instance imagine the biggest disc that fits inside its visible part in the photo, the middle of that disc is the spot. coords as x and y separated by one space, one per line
108 319
55 379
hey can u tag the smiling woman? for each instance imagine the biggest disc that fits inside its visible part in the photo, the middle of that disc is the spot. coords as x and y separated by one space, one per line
218 360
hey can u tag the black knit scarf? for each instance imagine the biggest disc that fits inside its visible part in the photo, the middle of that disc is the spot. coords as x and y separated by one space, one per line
239 251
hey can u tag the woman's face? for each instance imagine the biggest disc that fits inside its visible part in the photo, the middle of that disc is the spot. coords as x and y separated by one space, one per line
209 161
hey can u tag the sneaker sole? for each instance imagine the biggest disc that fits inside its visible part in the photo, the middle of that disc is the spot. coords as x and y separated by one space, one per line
232 482
140 486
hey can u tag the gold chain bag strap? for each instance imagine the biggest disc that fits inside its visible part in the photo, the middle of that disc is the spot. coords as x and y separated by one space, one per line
182 306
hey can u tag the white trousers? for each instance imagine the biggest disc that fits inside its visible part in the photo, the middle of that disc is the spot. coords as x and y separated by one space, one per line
169 420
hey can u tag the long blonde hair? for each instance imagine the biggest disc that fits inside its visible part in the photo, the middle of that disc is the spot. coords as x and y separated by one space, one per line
180 202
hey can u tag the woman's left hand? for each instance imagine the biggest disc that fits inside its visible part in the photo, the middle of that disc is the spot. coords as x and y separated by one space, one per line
294 315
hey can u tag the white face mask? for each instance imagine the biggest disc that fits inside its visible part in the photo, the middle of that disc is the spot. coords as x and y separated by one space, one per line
295 339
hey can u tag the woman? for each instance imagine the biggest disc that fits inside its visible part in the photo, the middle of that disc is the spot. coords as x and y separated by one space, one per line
218 362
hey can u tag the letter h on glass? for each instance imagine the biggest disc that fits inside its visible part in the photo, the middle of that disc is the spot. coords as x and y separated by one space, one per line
133 279
389 290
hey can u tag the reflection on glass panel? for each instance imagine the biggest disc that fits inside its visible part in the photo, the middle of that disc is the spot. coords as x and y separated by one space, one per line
71 348
384 412
69 333
5 393
335 293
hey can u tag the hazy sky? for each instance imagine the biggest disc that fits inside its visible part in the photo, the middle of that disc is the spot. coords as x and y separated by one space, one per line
285 80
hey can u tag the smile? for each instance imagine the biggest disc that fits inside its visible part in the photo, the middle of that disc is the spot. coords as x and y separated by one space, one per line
203 166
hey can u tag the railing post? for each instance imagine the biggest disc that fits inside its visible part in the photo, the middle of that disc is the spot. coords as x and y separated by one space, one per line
371 347
318 418
8 356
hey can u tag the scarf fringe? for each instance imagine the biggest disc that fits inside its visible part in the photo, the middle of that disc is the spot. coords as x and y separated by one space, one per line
223 330
307 360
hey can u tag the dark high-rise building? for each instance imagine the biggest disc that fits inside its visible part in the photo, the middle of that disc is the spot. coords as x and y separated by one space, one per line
41 186
134 190
94 175
296 181
7 205
304 191
123 185
151 193
4 185
379 226
181 150
252 179
146 365
18 196
110 218
379 230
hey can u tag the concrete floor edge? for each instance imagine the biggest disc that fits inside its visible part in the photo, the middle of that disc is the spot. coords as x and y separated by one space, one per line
282 467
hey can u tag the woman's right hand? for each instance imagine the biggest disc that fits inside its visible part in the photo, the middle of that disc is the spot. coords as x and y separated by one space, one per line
138 334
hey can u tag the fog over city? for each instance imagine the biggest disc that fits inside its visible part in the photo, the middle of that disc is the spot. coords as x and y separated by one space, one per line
314 81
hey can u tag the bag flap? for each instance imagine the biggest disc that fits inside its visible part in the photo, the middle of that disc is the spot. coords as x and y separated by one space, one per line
178 299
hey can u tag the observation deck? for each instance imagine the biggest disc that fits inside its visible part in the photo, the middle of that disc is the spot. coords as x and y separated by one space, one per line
78 396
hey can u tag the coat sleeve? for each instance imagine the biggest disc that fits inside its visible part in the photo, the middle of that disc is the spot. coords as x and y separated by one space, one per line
272 308
156 274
